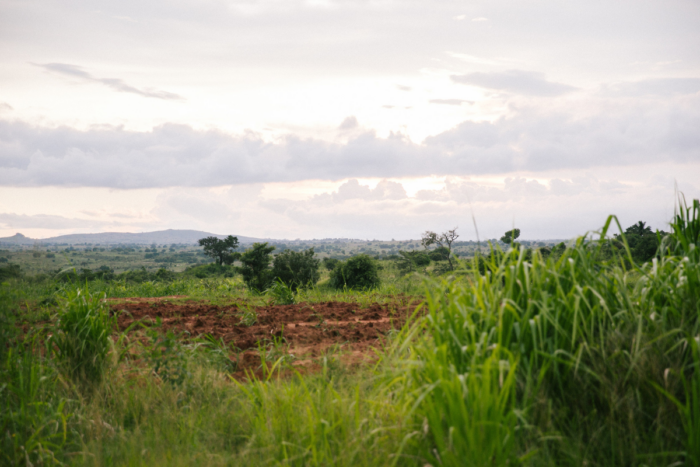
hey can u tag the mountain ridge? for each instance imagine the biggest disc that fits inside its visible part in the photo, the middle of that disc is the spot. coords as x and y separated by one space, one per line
168 236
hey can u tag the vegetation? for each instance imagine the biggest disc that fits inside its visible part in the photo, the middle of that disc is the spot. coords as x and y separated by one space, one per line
510 236
357 273
221 250
581 355
412 261
296 269
256 266
444 242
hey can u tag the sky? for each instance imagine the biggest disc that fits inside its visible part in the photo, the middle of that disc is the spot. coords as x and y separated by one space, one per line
347 119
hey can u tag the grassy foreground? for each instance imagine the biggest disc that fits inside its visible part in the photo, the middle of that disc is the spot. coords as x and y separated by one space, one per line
574 361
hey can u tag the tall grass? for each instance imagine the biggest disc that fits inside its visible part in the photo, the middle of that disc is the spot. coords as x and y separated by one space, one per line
590 342
81 337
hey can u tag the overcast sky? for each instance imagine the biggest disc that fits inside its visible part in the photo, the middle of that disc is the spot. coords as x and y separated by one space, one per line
363 119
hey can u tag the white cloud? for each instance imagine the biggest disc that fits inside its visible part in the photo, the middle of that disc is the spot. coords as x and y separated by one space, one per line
576 135
517 81
112 83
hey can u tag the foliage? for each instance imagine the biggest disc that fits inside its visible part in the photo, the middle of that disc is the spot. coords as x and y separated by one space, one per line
443 240
210 270
10 271
359 273
81 335
296 269
220 250
510 236
585 343
439 254
256 267
410 261
330 263
281 293
643 243
165 354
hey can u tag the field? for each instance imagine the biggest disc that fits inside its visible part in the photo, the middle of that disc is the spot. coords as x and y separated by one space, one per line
47 259
583 358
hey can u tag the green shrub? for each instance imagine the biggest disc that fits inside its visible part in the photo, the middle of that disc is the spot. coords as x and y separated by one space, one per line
410 261
330 263
256 267
297 269
11 271
359 272
81 335
439 254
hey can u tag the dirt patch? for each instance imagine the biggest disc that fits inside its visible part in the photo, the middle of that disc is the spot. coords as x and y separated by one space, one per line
304 331
145 299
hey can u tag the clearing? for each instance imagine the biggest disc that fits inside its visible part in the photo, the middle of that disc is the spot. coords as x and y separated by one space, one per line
302 332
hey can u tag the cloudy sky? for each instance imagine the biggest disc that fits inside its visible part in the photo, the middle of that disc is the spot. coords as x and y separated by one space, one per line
346 118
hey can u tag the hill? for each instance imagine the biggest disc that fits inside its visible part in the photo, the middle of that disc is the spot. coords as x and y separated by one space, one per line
110 238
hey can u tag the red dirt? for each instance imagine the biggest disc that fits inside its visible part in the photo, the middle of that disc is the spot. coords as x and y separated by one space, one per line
306 330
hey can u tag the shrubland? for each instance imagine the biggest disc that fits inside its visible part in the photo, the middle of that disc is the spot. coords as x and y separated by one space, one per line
580 356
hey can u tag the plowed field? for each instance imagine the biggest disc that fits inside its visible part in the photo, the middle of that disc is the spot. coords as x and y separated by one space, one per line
303 331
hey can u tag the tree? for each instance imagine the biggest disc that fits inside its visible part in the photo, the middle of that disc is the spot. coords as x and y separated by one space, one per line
441 253
222 251
256 266
297 269
359 272
643 242
510 237
410 261
443 240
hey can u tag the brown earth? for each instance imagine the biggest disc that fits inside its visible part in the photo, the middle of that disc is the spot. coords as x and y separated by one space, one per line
303 332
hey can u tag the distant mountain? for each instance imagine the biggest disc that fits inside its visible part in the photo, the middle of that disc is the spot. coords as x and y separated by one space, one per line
17 239
110 238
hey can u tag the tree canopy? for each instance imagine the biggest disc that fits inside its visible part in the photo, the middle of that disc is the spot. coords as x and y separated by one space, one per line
510 236
222 251
297 269
443 240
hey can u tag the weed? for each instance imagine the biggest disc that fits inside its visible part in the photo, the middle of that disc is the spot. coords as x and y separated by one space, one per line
166 355
280 293
81 335
248 316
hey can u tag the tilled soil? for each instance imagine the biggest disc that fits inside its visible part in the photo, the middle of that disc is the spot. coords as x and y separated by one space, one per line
304 331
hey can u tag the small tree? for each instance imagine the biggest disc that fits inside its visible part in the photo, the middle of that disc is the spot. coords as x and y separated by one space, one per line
643 242
443 240
222 251
410 261
359 272
256 266
510 236
297 269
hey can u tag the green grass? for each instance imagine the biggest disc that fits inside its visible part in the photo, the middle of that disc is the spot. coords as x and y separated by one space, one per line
582 359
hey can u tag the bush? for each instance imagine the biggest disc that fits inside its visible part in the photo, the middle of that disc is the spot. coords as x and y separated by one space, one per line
296 269
359 272
439 254
81 335
11 271
256 266
410 261
331 263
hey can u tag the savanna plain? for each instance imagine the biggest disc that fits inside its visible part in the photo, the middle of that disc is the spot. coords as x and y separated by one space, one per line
585 353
